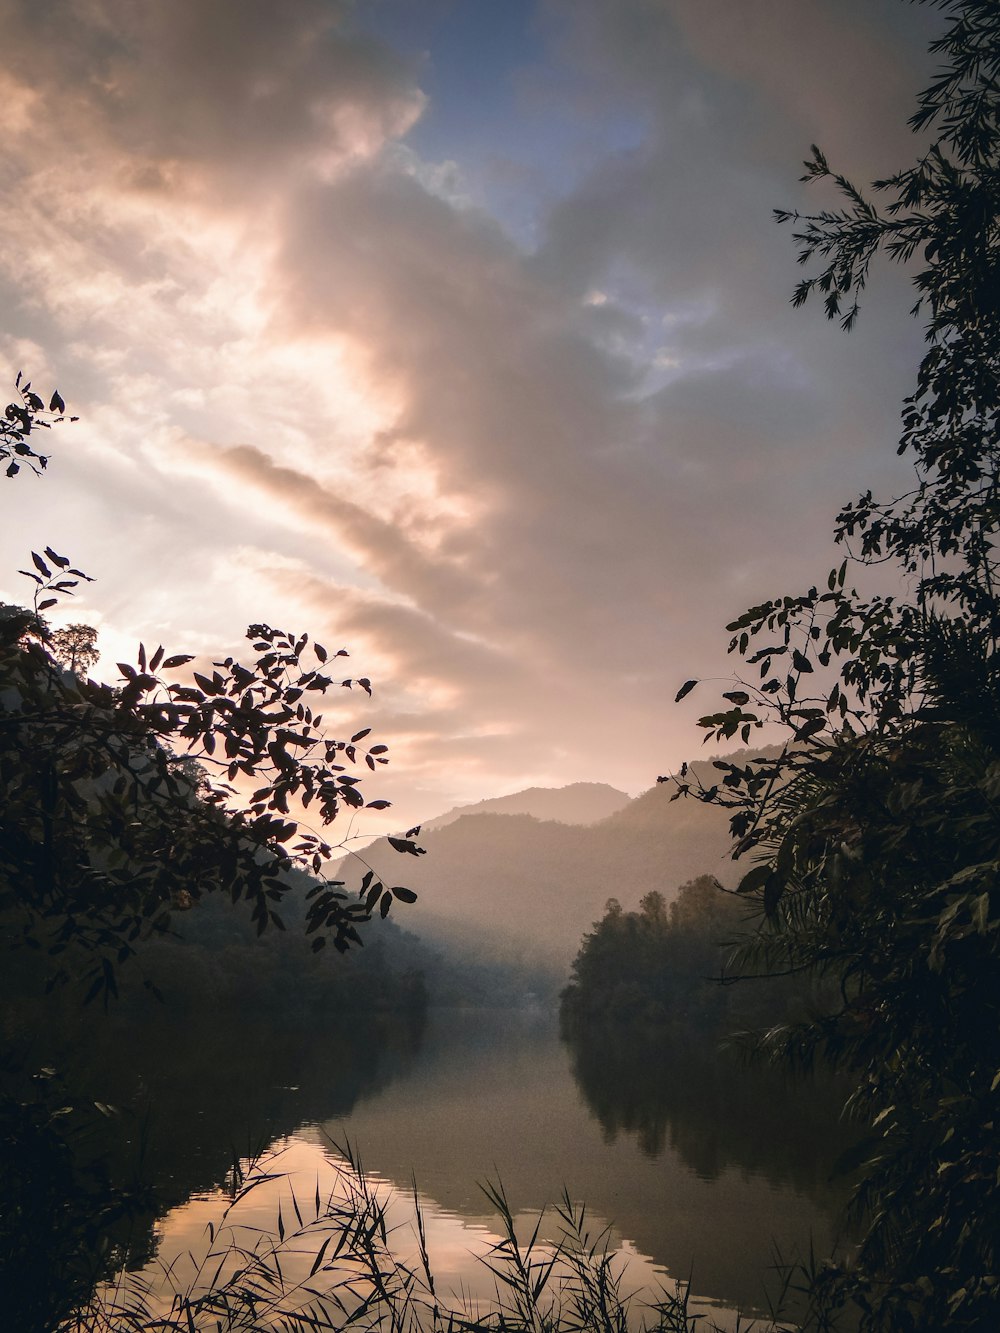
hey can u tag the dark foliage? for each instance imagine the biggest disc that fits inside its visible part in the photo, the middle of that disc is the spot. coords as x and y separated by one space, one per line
23 419
876 833
666 968
122 805
120 808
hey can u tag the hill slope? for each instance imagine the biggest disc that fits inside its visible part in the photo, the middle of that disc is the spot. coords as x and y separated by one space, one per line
579 803
517 887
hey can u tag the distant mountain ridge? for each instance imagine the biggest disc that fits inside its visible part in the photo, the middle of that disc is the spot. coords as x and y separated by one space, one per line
579 803
526 888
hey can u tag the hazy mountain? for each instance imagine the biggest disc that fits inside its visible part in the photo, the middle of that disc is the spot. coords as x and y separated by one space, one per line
524 889
579 803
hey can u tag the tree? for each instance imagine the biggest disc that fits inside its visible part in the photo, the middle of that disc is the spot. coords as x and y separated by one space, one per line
75 647
105 831
876 831
655 966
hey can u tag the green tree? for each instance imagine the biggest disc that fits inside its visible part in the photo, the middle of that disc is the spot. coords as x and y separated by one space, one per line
876 832
105 826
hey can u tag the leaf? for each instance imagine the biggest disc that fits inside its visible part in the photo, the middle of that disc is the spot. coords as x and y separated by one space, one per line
810 728
405 845
685 689
359 736
178 659
384 905
56 403
774 887
403 894
754 879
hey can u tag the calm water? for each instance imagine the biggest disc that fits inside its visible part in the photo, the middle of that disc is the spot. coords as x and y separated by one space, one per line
701 1169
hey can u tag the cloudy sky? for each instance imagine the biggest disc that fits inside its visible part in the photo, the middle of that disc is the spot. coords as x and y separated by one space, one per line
455 332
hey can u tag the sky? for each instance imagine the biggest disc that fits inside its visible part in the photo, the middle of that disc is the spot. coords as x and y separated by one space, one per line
456 333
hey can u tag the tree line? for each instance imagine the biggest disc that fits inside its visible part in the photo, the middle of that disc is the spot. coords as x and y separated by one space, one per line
667 969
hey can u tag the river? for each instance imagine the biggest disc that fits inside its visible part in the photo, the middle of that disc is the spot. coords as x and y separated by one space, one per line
701 1169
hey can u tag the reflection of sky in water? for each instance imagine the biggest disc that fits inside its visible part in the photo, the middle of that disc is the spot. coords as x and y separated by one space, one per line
193 1237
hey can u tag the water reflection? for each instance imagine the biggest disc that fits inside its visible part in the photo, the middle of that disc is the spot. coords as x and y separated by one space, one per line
697 1165
704 1102
497 1095
179 1098
197 1238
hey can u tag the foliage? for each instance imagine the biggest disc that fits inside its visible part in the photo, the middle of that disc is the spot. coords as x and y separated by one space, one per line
63 1216
75 647
22 418
150 1098
29 625
654 966
104 831
876 832
665 967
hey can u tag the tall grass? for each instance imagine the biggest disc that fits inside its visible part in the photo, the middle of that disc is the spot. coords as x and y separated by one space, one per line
336 1261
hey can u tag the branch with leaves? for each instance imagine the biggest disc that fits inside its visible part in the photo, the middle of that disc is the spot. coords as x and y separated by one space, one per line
875 830
123 804
24 416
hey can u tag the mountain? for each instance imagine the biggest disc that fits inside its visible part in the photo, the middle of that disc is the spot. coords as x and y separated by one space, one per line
579 803
517 888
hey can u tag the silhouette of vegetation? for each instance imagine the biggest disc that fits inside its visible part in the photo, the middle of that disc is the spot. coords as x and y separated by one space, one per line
665 968
124 806
875 834
673 1089
136 1110
513 885
106 828
75 647
334 1258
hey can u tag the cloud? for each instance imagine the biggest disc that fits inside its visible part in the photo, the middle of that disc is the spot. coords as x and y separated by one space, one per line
243 90
321 386
381 547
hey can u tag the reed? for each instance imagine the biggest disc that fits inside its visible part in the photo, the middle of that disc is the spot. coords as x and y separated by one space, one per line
335 1261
